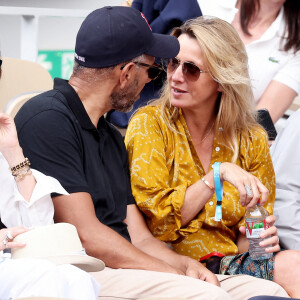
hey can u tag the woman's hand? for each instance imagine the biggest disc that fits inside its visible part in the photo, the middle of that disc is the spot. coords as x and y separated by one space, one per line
271 242
7 242
8 133
243 181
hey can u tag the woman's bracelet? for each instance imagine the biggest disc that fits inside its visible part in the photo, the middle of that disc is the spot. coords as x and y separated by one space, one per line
207 183
16 169
22 174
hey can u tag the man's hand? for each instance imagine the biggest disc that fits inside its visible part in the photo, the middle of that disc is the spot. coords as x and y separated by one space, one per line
196 270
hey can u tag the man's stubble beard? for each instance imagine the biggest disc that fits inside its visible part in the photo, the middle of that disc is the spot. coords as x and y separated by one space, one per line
123 100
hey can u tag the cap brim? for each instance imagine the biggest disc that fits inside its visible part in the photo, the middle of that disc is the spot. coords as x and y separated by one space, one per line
165 46
84 262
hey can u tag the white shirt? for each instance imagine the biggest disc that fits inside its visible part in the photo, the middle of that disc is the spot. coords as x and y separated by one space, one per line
36 277
286 161
266 61
15 210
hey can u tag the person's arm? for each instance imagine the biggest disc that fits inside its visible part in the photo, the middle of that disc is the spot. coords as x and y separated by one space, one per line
143 239
99 240
260 166
13 153
196 196
277 98
25 202
286 206
283 88
172 207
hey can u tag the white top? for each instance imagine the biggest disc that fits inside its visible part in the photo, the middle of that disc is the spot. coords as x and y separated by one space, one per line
36 277
286 160
15 210
266 61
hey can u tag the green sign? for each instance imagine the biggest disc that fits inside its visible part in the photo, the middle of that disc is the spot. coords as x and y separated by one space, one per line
59 63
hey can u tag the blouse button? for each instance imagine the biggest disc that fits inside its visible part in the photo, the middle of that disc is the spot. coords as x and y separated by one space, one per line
217 149
211 203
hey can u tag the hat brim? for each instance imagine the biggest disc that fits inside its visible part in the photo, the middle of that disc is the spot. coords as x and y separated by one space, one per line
84 262
164 46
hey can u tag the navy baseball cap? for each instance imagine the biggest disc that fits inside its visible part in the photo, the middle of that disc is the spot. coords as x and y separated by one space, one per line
115 34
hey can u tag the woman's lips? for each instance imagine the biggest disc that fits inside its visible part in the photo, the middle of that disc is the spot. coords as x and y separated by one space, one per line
177 91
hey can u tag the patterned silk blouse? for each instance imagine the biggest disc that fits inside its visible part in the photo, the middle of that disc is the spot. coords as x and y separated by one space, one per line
163 164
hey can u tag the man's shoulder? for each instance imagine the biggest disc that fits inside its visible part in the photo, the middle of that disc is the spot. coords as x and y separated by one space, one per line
52 102
114 133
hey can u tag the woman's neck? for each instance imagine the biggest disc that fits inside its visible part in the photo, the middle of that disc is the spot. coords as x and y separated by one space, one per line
266 15
260 22
199 123
201 128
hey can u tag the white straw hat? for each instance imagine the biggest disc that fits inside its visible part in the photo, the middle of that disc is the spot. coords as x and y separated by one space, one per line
58 243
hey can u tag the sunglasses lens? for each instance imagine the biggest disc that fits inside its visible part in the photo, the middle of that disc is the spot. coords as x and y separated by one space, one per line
173 64
153 73
191 71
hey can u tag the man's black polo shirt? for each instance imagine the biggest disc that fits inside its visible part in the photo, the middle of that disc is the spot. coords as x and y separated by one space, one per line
58 137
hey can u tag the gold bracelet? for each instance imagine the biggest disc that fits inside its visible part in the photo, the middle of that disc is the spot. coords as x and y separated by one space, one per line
19 171
207 183
21 165
21 175
129 3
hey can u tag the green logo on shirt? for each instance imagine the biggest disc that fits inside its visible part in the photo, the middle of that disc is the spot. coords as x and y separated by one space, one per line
274 60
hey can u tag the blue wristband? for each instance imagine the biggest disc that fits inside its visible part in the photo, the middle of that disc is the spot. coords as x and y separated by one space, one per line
219 191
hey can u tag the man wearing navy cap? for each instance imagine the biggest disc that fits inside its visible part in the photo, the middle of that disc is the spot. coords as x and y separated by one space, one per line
65 134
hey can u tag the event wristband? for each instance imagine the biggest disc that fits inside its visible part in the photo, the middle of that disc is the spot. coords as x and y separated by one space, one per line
219 191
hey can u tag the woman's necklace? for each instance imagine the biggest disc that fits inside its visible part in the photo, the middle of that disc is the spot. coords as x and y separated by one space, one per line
208 132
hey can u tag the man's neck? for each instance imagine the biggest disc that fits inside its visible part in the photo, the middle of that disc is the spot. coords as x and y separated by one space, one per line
94 97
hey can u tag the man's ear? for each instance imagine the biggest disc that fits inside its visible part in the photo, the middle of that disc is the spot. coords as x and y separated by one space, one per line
126 74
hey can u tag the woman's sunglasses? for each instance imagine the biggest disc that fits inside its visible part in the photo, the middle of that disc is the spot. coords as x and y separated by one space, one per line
153 70
189 69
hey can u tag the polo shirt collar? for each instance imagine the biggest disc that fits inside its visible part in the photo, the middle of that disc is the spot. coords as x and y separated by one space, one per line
275 30
74 103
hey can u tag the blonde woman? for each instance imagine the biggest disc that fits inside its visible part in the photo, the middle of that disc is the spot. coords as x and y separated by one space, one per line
205 117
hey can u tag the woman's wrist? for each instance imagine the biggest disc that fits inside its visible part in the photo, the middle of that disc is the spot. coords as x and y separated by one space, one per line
13 156
208 180
223 170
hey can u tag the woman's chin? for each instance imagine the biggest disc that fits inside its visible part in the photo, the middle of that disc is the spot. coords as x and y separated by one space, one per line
177 103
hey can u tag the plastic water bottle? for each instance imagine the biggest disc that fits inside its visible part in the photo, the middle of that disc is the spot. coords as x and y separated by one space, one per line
255 224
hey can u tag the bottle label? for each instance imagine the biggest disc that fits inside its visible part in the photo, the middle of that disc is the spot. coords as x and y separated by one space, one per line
254 229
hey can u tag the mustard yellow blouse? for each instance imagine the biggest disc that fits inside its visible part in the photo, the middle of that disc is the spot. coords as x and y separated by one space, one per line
164 163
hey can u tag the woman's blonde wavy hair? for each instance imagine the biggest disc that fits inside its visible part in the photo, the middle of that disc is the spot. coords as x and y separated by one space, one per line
227 63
